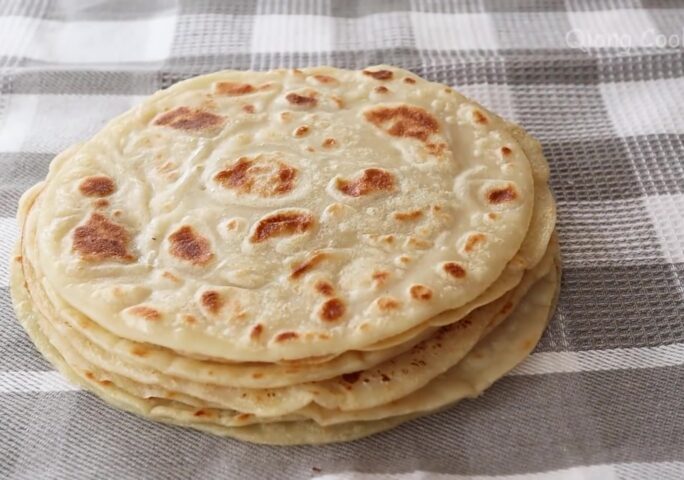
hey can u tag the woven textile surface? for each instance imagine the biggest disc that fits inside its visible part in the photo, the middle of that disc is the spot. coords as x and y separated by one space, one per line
600 83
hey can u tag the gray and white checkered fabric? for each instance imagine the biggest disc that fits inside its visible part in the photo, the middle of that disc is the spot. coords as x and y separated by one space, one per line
601 398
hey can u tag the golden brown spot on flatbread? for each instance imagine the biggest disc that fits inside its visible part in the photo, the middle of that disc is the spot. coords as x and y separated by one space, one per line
493 215
380 277
282 224
381 89
479 117
409 80
386 304
418 243
285 336
148 313
474 239
501 195
351 377
435 149
262 175
190 319
186 118
506 308
171 276
420 292
257 375
379 74
407 216
405 259
212 301
329 143
332 310
285 116
140 351
454 269
301 131
338 101
101 239
448 90
202 412
234 89
324 288
248 108
244 416
101 203
372 180
189 245
90 375
105 383
301 100
404 121
304 267
527 344
97 186
505 151
256 331
327 79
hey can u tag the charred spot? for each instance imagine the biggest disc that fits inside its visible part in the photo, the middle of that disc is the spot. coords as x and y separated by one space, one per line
351 377
379 74
256 331
420 292
262 175
281 224
385 378
407 216
304 267
381 90
473 241
212 301
324 288
301 100
505 151
501 195
202 412
285 336
234 89
148 313
404 121
101 239
97 186
386 304
248 108
186 118
454 269
371 180
326 79
301 131
329 143
409 80
189 245
332 310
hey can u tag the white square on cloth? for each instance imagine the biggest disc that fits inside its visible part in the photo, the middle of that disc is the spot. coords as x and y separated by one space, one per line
459 31
90 41
667 215
645 107
292 33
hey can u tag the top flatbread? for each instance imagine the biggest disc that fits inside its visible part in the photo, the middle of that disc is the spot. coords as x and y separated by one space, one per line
286 214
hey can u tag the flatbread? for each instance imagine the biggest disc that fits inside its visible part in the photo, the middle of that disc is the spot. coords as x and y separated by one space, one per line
192 223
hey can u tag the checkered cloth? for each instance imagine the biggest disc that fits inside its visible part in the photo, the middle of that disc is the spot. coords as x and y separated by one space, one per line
602 395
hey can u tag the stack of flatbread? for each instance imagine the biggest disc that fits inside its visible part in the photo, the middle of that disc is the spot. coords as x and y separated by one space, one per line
292 256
